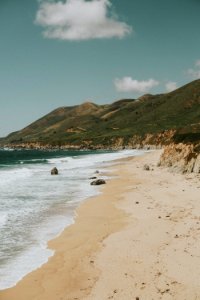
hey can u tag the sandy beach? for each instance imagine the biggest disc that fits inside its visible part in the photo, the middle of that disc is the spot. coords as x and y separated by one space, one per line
139 239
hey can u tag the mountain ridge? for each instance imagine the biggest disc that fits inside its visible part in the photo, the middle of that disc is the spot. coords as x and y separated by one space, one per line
93 125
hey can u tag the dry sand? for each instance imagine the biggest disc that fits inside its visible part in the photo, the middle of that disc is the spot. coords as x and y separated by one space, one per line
140 239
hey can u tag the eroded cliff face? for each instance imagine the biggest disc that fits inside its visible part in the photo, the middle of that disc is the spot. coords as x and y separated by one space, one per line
152 141
148 141
184 158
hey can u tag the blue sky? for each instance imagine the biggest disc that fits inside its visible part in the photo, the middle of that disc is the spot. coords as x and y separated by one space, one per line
60 53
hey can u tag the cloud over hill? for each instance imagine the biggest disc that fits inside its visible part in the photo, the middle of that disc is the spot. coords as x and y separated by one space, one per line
80 20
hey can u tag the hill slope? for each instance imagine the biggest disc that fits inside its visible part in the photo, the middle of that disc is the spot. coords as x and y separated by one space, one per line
92 124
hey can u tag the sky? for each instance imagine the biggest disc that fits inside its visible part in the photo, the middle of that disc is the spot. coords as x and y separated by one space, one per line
63 53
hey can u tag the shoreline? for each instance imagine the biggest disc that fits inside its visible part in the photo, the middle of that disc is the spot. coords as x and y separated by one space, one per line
35 255
138 239
91 204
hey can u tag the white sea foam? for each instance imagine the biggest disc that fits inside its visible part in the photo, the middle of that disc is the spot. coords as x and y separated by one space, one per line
8 149
3 218
23 264
9 175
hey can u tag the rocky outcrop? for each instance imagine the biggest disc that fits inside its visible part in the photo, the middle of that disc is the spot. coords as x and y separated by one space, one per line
184 158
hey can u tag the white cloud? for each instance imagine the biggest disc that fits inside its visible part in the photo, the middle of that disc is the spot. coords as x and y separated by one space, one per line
194 72
171 86
197 64
127 84
80 20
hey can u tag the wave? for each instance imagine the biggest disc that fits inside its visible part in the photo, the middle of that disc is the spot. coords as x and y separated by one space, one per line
7 149
9 175
59 160
78 161
34 161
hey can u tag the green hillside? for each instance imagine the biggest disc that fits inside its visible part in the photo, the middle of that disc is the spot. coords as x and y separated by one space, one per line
98 124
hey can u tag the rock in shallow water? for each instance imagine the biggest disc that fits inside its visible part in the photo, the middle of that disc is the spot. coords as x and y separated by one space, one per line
54 171
98 182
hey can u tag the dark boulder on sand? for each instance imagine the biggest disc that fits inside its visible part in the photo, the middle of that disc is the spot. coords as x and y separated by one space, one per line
54 171
146 167
98 182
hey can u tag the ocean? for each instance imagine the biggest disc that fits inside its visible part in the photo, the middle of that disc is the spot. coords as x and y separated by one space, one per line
35 207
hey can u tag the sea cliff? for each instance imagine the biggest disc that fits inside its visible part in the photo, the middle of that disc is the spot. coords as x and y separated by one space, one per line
184 158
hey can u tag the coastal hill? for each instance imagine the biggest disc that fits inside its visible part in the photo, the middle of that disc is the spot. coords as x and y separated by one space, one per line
160 119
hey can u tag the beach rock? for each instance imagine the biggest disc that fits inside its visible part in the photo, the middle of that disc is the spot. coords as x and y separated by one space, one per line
54 171
96 172
146 167
93 177
98 182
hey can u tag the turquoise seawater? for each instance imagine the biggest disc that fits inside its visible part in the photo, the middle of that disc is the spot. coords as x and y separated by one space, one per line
35 206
